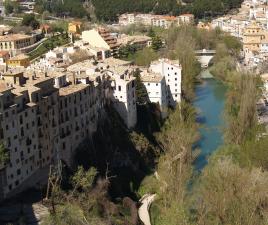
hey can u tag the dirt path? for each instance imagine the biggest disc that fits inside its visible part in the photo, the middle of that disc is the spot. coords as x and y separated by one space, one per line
146 202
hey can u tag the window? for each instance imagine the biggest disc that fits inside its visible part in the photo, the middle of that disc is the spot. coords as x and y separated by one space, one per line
175 79
18 172
156 84
119 88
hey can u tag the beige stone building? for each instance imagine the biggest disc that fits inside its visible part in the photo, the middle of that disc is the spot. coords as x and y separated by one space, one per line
78 117
46 114
29 117
253 36
118 75
101 38
33 120
13 42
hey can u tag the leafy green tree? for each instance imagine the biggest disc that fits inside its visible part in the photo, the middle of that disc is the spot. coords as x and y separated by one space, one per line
9 8
151 32
67 214
228 194
176 139
30 20
127 52
141 92
145 56
83 179
62 8
157 43
241 109
233 44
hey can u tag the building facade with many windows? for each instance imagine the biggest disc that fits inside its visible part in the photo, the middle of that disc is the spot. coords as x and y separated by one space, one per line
46 114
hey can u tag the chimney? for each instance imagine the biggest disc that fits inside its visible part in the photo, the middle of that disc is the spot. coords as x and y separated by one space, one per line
74 80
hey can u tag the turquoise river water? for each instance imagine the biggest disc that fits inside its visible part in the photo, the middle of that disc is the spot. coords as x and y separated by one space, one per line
209 101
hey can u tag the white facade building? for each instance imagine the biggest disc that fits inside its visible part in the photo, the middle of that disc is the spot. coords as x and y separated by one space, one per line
124 98
156 88
126 19
171 70
164 21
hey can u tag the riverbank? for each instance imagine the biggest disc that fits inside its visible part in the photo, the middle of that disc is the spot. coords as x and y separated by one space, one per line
209 104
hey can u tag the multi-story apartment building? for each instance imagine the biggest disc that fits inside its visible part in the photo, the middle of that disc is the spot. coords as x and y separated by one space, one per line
101 38
29 117
156 88
119 74
163 21
78 117
186 18
145 19
46 114
20 60
124 95
15 42
171 70
126 19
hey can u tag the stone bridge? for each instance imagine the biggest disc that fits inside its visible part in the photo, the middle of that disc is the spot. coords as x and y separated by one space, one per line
204 56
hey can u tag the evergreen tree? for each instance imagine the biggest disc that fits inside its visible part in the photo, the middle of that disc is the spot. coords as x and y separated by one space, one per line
157 43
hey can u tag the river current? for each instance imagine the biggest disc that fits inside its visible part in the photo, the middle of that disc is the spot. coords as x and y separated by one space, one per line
209 102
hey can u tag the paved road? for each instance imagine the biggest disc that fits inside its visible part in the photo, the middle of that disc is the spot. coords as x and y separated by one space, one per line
146 201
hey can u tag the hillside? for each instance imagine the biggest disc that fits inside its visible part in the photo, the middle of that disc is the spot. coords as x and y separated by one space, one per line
108 10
